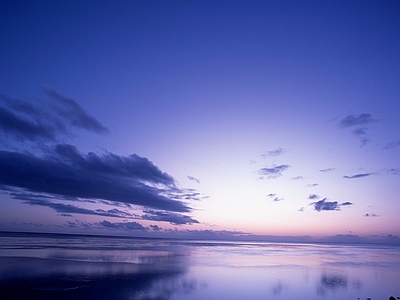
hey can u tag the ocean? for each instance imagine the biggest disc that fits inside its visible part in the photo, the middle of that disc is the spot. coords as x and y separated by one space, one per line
55 266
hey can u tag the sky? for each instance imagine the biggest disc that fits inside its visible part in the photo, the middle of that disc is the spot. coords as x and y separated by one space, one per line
201 119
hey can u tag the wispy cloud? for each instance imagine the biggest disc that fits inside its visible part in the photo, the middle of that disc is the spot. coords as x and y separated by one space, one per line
361 121
51 117
275 152
297 178
361 175
163 216
274 171
312 184
362 135
357 120
70 110
69 209
371 215
392 145
131 226
313 196
191 178
325 205
327 170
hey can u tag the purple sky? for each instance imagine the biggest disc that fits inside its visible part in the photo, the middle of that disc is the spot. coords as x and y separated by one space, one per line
200 118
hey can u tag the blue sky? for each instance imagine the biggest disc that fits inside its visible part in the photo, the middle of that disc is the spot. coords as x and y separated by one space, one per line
277 118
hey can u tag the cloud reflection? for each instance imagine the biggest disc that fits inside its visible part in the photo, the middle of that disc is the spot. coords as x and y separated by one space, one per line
331 283
36 278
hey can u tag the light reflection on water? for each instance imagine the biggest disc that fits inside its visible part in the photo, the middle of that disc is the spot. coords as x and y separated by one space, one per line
81 267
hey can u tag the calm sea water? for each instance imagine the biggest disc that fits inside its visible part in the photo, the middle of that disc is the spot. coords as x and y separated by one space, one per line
85 267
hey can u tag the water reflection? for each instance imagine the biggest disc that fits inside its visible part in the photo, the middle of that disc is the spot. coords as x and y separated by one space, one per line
52 267
331 283
35 278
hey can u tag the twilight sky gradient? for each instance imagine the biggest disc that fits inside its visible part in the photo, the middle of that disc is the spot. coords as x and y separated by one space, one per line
201 118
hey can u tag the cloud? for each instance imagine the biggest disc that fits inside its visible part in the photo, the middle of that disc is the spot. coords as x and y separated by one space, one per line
132 166
58 172
360 121
68 209
173 218
327 170
68 173
70 110
275 152
23 128
155 227
276 199
392 145
313 196
361 175
191 178
312 184
371 215
47 120
328 205
274 171
272 195
131 226
297 178
354 120
325 205
301 209
394 171
362 135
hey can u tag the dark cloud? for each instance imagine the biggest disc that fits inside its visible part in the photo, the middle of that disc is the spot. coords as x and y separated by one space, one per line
68 209
67 173
50 118
275 152
276 199
59 172
155 227
163 216
392 145
371 215
324 204
361 175
274 171
23 128
191 178
70 110
132 166
313 196
130 226
354 120
327 170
